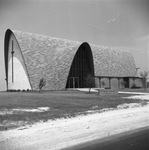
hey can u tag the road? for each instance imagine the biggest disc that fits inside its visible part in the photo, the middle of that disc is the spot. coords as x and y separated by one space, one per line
133 140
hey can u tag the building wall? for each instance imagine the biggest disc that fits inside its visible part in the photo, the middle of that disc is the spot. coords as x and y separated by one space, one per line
138 83
19 80
48 58
135 81
51 58
112 62
121 86
114 83
106 81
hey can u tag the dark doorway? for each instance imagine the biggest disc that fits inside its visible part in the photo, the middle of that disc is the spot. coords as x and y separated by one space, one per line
82 65
73 82
126 81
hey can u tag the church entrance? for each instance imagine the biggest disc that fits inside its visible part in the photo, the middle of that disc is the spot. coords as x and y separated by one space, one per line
73 82
82 65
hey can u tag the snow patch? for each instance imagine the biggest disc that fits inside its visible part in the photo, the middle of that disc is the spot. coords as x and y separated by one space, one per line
142 97
87 90
131 105
18 110
136 93
63 133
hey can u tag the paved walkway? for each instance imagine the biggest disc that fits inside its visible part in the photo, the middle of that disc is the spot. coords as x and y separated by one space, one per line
138 93
94 90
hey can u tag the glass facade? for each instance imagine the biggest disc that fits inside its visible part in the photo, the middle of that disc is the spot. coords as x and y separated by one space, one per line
80 68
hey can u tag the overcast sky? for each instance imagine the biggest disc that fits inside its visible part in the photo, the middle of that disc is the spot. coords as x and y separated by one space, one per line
114 23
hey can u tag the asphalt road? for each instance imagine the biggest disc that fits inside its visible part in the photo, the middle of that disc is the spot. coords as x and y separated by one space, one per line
132 140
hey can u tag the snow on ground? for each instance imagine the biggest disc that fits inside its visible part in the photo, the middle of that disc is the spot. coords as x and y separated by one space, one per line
143 97
19 110
138 93
87 89
62 133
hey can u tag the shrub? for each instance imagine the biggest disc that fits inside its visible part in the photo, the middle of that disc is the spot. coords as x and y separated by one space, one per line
133 86
12 90
42 83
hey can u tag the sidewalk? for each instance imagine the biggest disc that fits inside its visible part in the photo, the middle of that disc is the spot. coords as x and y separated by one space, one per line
137 93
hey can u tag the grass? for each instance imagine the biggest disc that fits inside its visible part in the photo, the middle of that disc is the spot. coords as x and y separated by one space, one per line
136 90
61 104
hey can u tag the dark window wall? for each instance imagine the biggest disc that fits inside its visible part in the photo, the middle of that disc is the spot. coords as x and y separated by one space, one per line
80 68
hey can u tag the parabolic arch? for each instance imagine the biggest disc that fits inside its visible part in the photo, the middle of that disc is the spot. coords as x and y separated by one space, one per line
56 59
82 65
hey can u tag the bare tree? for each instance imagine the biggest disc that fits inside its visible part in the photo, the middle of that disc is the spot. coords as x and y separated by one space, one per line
90 82
144 76
42 83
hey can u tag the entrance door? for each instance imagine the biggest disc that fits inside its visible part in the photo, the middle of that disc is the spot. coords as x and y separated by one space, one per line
73 82
81 66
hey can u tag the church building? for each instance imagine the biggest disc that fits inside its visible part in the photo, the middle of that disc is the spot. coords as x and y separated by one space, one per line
63 63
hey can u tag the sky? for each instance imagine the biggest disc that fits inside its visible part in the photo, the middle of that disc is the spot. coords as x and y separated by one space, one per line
122 24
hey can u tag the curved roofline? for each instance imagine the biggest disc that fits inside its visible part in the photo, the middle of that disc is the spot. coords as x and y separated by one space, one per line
90 57
86 44
59 54
6 44
6 41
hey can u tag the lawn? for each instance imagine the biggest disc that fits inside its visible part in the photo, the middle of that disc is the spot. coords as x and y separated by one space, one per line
136 90
21 108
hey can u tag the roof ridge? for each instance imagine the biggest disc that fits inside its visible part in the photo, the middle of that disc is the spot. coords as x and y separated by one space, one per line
47 36
77 42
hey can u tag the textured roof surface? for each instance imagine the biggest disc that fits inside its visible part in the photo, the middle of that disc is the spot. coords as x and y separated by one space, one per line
113 62
51 58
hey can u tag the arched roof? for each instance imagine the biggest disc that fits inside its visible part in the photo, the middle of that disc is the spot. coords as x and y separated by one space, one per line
113 62
51 58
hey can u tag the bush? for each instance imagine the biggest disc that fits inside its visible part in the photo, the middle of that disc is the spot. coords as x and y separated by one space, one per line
42 83
13 90
133 86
